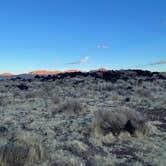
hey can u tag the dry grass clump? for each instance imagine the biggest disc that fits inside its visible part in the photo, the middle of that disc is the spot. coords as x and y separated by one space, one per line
144 93
30 95
106 86
71 106
24 148
56 99
3 101
13 154
117 122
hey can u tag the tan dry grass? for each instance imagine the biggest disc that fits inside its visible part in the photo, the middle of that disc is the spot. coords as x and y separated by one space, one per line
23 149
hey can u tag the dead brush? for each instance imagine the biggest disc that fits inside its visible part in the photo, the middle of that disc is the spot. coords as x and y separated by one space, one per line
70 106
22 150
116 122
55 99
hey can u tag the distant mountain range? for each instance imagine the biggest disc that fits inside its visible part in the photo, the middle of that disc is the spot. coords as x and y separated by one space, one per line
42 72
6 74
47 72
102 73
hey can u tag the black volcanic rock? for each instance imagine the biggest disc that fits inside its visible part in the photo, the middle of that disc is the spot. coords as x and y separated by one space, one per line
109 75
22 87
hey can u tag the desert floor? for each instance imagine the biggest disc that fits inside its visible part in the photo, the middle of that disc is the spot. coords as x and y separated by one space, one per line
50 121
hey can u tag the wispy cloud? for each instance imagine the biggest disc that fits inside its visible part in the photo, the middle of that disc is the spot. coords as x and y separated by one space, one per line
81 61
151 64
102 46
158 63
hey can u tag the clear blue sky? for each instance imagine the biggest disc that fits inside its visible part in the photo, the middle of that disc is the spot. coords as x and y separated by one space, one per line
46 34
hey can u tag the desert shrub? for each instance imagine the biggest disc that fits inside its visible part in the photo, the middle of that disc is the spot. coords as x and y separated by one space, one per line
47 93
110 121
30 95
145 93
16 93
115 97
13 154
70 106
46 89
2 102
121 84
23 149
55 99
104 86
116 122
35 93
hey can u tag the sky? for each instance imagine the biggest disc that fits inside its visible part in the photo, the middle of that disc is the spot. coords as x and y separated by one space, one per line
81 34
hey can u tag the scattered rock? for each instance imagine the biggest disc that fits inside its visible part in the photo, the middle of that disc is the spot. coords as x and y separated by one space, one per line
23 87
